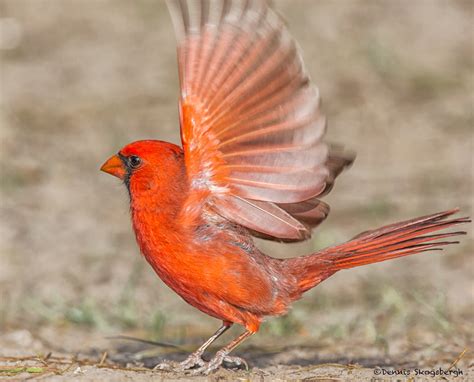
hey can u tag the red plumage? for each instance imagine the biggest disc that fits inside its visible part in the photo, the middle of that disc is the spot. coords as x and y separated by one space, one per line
253 163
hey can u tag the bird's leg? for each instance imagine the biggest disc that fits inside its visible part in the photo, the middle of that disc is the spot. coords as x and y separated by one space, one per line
195 358
223 356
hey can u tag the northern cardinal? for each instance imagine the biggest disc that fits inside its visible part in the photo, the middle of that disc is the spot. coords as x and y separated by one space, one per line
252 163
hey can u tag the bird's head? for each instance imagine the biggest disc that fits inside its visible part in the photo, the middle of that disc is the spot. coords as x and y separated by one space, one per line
146 166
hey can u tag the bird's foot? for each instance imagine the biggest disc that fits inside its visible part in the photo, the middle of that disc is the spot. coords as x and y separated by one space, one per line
216 362
192 361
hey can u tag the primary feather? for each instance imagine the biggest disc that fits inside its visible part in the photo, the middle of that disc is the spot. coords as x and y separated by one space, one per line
251 124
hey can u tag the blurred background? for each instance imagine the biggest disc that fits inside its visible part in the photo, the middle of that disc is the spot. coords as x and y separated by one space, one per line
80 79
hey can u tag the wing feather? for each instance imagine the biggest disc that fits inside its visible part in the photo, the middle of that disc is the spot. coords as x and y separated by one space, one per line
251 124
266 218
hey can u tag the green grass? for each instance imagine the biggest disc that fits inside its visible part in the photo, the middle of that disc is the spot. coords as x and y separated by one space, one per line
12 371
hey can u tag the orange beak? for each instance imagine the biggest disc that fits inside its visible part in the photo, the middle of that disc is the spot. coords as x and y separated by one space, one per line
114 166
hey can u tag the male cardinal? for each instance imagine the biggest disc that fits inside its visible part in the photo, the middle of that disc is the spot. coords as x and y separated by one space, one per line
252 163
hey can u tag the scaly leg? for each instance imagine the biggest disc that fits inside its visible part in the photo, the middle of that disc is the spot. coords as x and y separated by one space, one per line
223 356
195 359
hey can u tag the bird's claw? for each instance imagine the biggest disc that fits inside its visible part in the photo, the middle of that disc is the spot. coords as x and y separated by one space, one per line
216 362
236 362
165 366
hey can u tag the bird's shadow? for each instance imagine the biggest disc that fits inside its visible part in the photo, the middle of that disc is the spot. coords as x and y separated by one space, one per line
309 356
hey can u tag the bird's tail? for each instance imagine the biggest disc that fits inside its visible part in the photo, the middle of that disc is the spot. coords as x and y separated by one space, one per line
385 243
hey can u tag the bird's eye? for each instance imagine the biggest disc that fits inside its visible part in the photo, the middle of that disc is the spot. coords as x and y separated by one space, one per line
134 161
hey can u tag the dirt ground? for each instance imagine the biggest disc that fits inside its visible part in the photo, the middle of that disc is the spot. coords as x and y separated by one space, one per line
80 79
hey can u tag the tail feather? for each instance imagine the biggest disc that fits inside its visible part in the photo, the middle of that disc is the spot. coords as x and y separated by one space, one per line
385 243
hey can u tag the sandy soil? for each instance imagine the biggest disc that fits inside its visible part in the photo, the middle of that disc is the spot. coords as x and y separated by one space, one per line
81 79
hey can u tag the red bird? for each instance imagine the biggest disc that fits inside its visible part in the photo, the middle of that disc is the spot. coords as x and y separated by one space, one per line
253 163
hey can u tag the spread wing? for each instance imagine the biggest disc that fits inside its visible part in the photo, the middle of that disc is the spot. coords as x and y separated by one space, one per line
251 124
